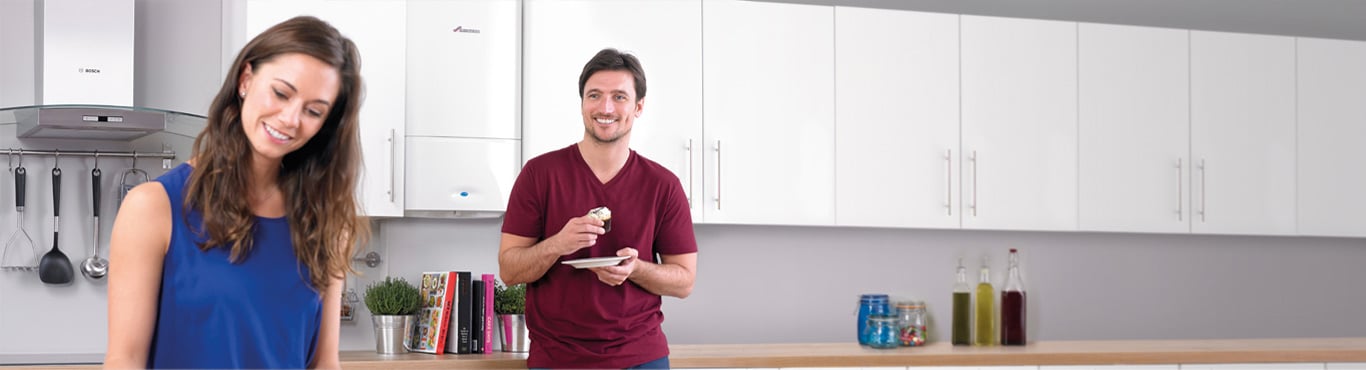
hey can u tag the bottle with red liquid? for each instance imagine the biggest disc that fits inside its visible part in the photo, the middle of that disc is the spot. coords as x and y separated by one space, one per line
1013 304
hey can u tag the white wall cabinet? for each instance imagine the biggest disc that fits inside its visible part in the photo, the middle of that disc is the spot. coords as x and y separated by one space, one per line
1134 124
1019 124
1242 133
376 26
896 120
768 113
666 36
1332 137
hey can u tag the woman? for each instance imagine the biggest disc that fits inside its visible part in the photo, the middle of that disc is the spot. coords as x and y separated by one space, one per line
236 258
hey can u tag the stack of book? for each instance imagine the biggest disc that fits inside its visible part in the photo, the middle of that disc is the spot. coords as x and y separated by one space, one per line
456 314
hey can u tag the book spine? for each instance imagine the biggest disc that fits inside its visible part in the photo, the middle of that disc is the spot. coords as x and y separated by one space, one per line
489 318
477 318
445 307
463 311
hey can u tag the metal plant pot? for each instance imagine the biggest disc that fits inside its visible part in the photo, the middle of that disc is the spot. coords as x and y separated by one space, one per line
391 333
513 333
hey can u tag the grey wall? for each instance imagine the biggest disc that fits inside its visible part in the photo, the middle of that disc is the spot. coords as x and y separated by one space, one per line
765 284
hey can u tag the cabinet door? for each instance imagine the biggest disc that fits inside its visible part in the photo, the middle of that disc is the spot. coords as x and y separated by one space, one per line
463 59
376 26
667 38
1242 133
1332 137
768 113
896 118
1135 128
1019 124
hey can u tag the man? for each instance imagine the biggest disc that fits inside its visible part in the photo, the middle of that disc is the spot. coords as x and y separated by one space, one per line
600 317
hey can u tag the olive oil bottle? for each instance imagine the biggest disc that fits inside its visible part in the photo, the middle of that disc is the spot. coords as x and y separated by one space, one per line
962 308
986 309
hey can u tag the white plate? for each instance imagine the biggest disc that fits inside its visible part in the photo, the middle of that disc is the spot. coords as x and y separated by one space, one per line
584 263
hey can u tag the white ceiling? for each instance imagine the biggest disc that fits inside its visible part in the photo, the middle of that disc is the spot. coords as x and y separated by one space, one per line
1337 19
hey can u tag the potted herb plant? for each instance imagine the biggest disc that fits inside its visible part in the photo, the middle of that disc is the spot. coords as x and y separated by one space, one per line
392 303
509 302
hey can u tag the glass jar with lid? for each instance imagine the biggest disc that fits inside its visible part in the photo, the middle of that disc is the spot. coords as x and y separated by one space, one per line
869 305
911 323
882 332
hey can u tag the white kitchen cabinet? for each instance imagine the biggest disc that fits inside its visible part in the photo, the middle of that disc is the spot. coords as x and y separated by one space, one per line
896 115
666 36
1242 133
1134 131
376 26
1019 124
463 61
460 176
1332 137
768 113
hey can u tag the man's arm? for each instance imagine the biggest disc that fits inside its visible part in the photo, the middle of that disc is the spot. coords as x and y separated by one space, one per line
673 276
523 260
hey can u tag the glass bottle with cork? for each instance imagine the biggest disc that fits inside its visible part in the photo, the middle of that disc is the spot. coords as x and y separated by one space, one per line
985 317
1013 304
962 308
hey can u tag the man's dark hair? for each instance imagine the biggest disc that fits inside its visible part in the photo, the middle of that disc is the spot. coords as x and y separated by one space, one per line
612 60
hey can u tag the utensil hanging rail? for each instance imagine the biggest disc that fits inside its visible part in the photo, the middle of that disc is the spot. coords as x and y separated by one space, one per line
87 153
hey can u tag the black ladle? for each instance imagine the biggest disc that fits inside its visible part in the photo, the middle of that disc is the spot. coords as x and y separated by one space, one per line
55 268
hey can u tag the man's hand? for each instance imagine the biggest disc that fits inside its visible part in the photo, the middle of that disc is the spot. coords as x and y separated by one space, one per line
616 275
578 233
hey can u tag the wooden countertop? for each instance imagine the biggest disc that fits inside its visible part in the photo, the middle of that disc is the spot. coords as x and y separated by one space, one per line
1128 352
935 354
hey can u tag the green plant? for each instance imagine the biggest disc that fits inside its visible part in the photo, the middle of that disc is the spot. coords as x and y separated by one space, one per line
392 297
509 300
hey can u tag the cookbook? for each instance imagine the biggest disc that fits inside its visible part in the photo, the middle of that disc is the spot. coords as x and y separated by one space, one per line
437 291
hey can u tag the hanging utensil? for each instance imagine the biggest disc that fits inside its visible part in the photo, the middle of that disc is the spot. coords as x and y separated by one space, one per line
95 267
55 268
133 174
20 243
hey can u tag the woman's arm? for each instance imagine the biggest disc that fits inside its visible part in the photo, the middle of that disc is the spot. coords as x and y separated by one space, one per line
329 334
137 248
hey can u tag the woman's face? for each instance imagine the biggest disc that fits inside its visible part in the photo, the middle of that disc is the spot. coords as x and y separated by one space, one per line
285 101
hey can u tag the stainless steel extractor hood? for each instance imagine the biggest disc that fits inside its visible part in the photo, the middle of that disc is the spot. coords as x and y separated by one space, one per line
83 78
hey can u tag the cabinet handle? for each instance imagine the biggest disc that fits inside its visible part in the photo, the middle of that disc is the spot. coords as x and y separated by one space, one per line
948 193
393 164
973 159
689 173
1203 194
1180 211
718 175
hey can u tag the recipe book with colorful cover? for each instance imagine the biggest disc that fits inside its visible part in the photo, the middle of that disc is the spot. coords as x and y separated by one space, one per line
437 291
488 312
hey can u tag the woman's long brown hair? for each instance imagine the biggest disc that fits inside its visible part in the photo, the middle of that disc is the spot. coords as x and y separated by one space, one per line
318 180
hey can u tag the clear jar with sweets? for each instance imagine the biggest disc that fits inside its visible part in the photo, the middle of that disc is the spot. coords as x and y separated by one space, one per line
911 323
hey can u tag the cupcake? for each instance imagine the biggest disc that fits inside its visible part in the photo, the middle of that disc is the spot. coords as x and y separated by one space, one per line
603 214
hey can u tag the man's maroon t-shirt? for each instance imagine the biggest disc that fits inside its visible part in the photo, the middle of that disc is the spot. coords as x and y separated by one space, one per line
574 319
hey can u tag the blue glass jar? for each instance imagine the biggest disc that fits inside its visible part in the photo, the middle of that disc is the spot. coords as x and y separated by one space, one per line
869 305
882 332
